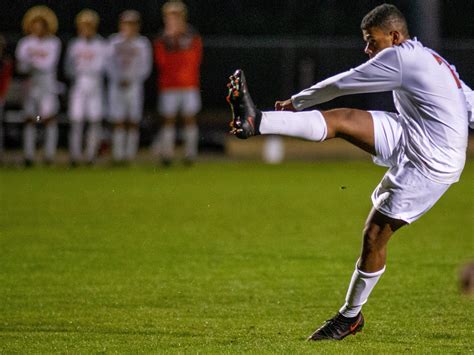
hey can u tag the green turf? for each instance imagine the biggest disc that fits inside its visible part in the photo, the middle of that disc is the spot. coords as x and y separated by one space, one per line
220 258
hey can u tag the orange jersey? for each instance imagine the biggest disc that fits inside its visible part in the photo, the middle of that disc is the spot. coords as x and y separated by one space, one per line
178 61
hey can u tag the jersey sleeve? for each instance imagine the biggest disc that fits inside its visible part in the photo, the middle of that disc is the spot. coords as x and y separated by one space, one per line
381 73
111 67
69 68
469 93
146 60
22 58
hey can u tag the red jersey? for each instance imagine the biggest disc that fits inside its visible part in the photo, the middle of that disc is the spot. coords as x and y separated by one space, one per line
6 71
178 60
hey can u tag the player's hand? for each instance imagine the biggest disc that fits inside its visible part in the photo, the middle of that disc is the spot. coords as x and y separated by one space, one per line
286 105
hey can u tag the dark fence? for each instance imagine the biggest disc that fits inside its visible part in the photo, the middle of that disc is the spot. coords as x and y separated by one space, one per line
275 68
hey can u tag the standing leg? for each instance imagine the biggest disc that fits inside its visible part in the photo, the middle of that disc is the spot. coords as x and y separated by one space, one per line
92 141
370 267
51 139
191 139
167 139
94 129
133 140
29 142
118 142
75 141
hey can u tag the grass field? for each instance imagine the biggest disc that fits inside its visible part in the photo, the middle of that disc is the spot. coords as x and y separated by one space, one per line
221 258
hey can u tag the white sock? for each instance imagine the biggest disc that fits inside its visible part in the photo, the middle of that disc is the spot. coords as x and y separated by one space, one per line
309 125
75 140
51 140
92 140
133 138
167 139
118 144
191 139
29 141
362 284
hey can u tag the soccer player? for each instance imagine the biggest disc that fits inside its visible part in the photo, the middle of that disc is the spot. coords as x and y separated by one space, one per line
424 144
37 57
85 64
178 53
129 63
6 71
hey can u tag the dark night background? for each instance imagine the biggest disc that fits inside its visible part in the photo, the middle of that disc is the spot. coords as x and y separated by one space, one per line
284 46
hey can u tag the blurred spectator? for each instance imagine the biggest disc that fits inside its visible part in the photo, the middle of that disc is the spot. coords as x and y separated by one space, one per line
84 64
466 278
178 53
128 65
6 70
37 55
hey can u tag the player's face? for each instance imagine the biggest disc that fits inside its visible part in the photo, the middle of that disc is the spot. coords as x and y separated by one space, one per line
39 27
129 29
175 23
376 40
86 29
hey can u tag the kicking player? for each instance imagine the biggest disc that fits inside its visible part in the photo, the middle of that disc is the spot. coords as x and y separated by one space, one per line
128 65
424 144
178 54
37 56
85 64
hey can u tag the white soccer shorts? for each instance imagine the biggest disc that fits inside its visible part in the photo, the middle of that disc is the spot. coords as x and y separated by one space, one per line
85 104
125 103
404 192
45 105
184 101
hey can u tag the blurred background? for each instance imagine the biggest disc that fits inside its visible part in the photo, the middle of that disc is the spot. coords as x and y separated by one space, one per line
283 46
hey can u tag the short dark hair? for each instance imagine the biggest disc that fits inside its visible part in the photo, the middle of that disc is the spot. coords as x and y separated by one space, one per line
386 17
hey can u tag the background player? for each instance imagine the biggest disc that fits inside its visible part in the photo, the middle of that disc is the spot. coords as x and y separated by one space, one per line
37 56
128 65
6 71
424 145
178 53
85 62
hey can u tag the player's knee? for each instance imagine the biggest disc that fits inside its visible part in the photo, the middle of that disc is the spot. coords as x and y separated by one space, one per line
189 120
49 120
372 239
132 125
338 121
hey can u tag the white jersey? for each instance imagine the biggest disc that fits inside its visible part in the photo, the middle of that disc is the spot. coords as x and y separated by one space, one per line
39 57
428 96
470 103
85 60
129 59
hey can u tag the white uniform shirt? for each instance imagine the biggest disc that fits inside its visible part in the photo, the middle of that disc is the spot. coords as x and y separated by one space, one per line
428 96
39 57
129 59
85 60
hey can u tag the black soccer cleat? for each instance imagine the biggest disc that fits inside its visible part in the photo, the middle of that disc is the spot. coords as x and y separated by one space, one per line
338 328
245 116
